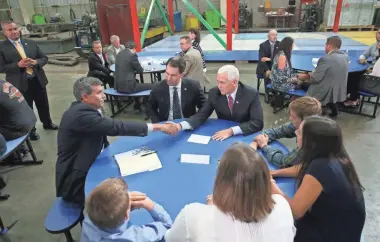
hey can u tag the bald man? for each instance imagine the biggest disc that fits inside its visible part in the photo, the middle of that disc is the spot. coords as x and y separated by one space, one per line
268 50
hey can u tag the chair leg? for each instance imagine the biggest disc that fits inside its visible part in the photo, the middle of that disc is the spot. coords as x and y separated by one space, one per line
68 236
258 84
375 108
361 105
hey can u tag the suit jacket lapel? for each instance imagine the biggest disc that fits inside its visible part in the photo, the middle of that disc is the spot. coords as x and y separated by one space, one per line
224 103
237 99
166 97
183 94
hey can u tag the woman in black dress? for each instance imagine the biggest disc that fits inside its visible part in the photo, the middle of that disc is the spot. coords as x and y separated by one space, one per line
329 204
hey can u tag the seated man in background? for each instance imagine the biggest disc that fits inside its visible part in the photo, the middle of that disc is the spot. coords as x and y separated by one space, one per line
98 66
127 66
82 135
373 51
16 116
108 211
176 97
231 100
114 49
328 82
299 109
194 62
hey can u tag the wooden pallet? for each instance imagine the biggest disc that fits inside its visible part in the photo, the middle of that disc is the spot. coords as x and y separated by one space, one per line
353 28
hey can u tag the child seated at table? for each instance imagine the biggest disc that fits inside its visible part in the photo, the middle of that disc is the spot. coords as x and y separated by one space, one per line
108 210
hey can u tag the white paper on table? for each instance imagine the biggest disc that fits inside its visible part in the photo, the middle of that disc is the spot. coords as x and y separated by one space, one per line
133 164
315 61
196 159
200 139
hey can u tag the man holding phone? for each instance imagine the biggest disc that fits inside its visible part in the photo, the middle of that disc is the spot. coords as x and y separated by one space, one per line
22 61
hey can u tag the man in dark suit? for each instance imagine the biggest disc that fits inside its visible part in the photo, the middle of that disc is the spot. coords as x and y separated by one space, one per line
176 97
98 66
83 134
22 61
127 66
231 100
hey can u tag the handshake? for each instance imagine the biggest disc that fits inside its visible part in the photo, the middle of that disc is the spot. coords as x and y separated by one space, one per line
169 128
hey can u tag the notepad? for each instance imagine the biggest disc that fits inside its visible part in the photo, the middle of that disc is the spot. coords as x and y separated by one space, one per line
137 161
196 159
315 61
199 139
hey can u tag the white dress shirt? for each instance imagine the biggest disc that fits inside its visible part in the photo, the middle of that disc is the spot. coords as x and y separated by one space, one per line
117 50
200 222
102 59
236 130
171 92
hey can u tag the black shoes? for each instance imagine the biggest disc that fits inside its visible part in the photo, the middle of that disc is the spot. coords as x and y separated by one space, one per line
51 126
34 136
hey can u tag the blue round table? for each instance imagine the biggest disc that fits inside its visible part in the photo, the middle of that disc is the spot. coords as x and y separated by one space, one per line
305 62
151 65
175 184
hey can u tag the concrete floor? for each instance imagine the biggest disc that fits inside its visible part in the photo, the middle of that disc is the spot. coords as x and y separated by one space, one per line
32 188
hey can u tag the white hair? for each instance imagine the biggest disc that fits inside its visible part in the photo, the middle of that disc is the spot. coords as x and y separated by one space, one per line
272 31
113 38
232 72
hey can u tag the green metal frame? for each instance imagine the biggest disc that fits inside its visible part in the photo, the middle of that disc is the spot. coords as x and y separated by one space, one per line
147 20
204 22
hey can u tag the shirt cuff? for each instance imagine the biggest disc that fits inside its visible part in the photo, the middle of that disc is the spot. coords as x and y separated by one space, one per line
150 128
185 125
236 130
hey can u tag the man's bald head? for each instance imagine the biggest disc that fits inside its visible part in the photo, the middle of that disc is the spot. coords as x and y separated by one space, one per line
272 35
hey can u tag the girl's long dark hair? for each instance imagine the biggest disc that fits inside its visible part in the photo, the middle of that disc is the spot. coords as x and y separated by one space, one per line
197 35
322 138
286 45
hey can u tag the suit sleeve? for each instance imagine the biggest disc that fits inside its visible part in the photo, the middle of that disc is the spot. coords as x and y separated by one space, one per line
153 106
261 52
41 59
320 71
188 65
8 68
110 56
201 98
91 122
255 122
136 64
202 115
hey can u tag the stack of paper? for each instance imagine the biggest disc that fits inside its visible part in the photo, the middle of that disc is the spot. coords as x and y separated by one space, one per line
200 139
133 162
315 61
197 159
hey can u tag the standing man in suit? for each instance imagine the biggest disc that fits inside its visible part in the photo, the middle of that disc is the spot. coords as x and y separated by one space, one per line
267 51
176 97
98 66
114 49
83 135
231 100
22 61
194 62
328 82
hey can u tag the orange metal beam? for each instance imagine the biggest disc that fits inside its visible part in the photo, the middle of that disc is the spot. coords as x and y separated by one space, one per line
135 24
171 14
236 16
229 24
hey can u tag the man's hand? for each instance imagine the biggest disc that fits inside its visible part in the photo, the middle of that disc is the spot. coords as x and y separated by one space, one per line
363 61
23 63
147 203
31 62
222 135
209 200
168 128
265 59
254 145
262 140
174 127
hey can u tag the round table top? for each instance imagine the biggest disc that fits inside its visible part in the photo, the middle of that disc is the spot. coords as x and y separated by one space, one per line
308 62
175 184
150 64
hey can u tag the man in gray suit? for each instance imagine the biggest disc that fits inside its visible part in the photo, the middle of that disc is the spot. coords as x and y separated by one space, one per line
194 62
328 82
114 49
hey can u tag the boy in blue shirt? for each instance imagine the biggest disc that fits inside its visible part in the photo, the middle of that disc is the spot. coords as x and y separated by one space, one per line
107 215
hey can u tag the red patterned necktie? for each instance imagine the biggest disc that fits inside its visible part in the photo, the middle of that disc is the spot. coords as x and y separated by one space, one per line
230 102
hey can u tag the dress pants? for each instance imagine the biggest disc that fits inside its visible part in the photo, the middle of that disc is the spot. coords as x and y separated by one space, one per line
353 85
38 94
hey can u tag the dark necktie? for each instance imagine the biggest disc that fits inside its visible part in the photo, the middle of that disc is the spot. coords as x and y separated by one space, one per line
230 102
271 49
176 106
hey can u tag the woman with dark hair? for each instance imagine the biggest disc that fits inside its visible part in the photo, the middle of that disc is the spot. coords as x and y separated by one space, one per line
329 203
195 37
282 76
242 207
